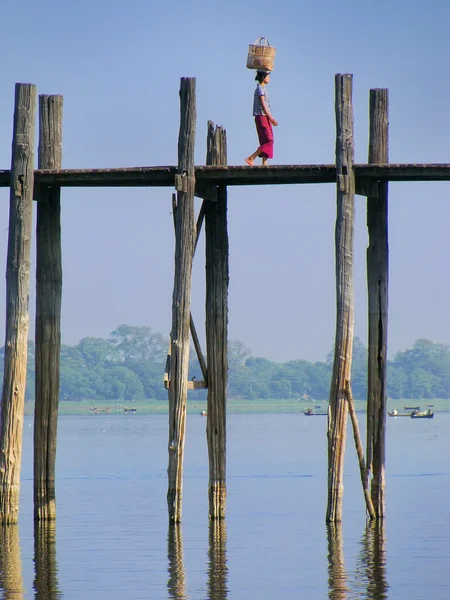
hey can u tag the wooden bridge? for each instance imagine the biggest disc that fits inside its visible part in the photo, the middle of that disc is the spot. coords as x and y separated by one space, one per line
233 175
209 182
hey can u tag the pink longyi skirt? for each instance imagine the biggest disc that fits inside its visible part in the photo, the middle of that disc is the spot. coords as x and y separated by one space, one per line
265 136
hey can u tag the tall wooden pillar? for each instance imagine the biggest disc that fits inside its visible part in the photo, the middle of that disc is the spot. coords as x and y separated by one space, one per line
17 297
341 377
217 326
181 301
377 282
48 310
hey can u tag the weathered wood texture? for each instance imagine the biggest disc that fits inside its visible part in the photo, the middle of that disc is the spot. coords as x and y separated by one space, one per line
343 346
17 295
48 310
218 569
46 568
181 302
198 349
360 453
377 283
11 578
217 277
234 175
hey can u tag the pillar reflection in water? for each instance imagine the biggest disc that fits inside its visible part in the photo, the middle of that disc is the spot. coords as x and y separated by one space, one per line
218 569
46 585
176 583
11 581
371 564
337 576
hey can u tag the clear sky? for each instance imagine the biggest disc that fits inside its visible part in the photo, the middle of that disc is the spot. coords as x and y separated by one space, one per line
118 66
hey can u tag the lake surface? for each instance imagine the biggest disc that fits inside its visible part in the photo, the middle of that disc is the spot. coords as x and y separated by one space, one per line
112 541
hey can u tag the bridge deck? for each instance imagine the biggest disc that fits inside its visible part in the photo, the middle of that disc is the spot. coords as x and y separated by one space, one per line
233 175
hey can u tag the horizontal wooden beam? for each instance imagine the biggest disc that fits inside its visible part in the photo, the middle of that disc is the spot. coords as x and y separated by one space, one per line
191 385
404 172
207 176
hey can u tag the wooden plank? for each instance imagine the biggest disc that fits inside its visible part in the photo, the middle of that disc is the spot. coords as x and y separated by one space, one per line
216 310
17 294
377 284
181 301
165 176
48 310
404 172
233 175
337 426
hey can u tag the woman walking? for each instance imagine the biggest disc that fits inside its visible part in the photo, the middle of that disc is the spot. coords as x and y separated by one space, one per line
263 120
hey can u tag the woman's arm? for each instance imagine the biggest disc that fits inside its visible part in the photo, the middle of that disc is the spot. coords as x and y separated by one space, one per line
267 111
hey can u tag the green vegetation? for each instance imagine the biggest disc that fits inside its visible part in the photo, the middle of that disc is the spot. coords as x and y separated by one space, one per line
128 367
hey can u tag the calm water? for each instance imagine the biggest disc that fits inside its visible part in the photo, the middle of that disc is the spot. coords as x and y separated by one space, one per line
112 539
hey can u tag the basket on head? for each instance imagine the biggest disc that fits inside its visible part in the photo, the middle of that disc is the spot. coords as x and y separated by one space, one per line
261 55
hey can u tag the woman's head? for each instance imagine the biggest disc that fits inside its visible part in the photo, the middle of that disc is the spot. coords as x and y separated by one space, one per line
262 76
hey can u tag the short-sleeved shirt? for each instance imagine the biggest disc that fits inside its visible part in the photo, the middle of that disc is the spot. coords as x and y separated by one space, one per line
257 106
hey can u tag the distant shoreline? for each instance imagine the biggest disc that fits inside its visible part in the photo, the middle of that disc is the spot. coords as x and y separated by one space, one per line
158 407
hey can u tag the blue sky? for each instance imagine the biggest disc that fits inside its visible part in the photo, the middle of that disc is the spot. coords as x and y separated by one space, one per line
118 66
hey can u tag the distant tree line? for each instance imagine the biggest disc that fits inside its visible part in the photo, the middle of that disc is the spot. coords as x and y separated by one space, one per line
129 365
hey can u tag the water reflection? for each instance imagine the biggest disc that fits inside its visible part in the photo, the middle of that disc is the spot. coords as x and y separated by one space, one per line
176 583
46 585
218 569
371 564
11 582
337 576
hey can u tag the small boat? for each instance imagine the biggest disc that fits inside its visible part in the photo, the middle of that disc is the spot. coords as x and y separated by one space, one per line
203 413
395 413
96 411
129 410
310 413
412 407
425 414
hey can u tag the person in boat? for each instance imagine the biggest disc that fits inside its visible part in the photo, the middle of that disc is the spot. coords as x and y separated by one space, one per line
263 120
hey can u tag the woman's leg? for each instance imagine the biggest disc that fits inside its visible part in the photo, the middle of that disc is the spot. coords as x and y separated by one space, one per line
250 160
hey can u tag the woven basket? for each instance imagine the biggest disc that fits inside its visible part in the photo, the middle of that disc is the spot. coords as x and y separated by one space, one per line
261 55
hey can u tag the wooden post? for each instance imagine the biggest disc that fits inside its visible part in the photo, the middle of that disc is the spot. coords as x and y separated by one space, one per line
181 302
377 283
45 564
360 453
217 327
48 310
17 293
217 569
343 346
